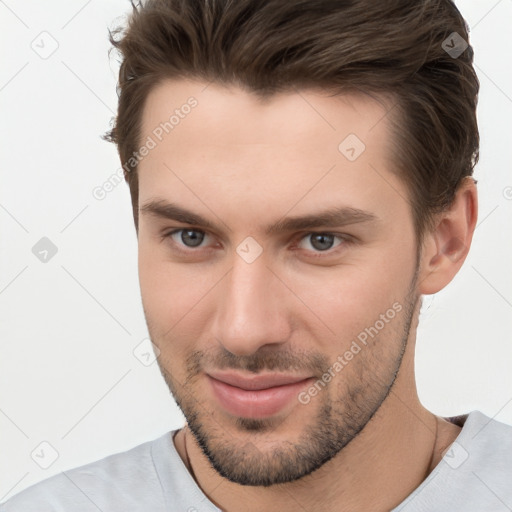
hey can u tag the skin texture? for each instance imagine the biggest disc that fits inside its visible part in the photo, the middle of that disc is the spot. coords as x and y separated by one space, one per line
244 164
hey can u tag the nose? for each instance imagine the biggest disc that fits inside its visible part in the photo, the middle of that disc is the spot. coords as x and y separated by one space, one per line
251 308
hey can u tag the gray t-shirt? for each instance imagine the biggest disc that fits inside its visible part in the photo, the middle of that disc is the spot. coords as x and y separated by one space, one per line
475 474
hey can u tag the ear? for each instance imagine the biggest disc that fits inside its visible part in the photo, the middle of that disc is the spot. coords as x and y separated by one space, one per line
445 247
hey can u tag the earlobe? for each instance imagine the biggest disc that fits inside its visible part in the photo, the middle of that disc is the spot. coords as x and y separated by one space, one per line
445 247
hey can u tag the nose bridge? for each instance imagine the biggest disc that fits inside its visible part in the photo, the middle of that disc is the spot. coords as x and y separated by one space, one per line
250 313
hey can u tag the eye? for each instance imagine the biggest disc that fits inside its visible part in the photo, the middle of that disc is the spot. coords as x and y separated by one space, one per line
190 238
320 242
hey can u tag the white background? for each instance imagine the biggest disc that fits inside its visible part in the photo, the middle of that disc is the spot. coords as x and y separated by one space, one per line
69 326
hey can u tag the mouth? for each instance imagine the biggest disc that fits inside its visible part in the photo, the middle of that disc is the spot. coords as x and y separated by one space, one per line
256 396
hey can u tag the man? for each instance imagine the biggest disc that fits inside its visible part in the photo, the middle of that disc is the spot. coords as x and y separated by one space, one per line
300 174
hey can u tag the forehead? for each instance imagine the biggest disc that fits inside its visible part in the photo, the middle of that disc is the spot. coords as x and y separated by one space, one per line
222 145
245 118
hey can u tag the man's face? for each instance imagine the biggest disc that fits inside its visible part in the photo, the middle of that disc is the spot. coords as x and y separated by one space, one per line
279 345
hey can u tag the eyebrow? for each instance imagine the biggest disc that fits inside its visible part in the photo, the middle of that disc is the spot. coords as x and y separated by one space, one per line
332 217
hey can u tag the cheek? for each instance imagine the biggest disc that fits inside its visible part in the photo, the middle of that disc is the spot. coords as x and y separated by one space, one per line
174 296
351 298
166 287
168 299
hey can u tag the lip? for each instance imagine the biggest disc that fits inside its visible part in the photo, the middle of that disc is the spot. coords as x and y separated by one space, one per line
256 396
257 382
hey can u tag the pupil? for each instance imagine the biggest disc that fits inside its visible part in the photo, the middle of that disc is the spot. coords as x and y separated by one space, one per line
194 237
325 241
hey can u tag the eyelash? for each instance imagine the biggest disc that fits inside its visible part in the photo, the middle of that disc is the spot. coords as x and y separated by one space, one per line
345 240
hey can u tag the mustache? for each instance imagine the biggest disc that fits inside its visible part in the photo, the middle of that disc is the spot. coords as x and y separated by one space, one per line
265 358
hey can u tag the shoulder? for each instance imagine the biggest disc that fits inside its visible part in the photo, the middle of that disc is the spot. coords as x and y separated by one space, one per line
487 444
478 465
475 472
114 483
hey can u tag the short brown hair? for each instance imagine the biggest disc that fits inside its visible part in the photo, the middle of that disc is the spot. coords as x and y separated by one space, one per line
396 48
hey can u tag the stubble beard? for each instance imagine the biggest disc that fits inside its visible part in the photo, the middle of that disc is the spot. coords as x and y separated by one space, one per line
337 422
